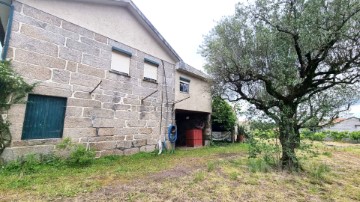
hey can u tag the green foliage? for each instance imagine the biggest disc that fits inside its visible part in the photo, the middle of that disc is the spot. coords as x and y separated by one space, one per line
338 136
12 90
79 154
265 134
355 136
258 165
319 171
25 165
265 150
223 116
318 136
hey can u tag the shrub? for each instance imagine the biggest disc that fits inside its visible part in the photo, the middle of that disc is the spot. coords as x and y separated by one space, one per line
337 136
318 136
355 136
223 116
79 154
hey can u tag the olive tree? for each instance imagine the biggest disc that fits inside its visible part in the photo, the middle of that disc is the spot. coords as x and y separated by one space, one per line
297 61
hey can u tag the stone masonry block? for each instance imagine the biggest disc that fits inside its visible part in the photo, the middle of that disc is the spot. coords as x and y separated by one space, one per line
116 86
123 145
62 32
145 130
21 41
104 98
12 153
84 48
45 90
83 103
61 76
152 123
73 122
73 112
40 15
41 34
71 66
100 38
30 21
84 80
98 113
126 115
84 95
84 69
15 26
102 122
127 131
149 148
96 44
17 6
79 132
16 113
132 101
96 61
37 59
131 151
70 54
106 131
135 123
103 145
87 89
140 137
32 71
105 54
139 143
77 29
116 107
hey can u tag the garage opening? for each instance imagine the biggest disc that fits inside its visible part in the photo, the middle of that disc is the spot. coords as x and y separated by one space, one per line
192 128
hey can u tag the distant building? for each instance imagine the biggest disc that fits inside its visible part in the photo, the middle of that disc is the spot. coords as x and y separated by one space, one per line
340 124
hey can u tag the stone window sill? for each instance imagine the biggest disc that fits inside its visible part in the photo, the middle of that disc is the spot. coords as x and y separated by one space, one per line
119 73
150 80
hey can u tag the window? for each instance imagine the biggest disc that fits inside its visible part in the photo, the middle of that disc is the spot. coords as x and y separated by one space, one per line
44 117
4 19
120 61
150 70
184 85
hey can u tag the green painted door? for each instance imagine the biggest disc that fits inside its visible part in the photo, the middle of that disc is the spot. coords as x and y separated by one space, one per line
44 117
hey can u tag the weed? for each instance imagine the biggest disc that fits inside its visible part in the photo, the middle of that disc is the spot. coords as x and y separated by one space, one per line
211 166
80 156
318 171
258 165
233 175
328 154
199 177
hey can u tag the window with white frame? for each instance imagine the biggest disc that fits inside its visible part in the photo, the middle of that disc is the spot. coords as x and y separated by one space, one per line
120 61
150 70
184 85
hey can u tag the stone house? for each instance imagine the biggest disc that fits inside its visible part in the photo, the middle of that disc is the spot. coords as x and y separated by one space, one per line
105 77
350 124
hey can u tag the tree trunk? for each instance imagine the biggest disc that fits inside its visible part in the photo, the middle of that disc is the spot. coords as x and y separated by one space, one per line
289 138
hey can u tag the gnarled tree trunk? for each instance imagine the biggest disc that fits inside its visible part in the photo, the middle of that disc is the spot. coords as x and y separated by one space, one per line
289 138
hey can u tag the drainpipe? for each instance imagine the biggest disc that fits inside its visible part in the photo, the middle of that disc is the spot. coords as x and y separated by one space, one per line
8 30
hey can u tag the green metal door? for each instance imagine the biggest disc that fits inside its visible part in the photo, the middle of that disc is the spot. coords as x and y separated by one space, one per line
44 117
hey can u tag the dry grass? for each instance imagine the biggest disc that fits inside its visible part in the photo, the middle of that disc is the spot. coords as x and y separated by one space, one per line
216 175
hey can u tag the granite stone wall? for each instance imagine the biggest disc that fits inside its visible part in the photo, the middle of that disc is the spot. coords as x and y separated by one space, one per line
66 60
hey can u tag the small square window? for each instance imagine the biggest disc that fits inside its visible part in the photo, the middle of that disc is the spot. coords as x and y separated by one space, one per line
150 72
120 61
184 85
